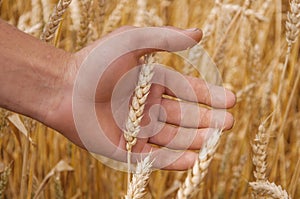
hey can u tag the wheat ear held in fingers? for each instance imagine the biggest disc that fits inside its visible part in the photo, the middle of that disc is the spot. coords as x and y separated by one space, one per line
200 168
138 103
54 20
137 106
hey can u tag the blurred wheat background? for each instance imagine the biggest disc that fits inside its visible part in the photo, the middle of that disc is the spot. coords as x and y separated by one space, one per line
248 40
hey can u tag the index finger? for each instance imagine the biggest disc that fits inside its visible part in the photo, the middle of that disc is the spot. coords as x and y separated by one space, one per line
195 90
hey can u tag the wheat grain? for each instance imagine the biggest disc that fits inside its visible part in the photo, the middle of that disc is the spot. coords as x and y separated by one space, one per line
54 20
200 168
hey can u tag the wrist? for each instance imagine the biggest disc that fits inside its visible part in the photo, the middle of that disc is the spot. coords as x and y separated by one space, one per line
30 72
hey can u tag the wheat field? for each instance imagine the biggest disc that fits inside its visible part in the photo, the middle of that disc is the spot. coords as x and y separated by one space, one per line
254 45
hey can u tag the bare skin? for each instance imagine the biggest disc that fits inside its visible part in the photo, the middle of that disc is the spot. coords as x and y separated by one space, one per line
37 80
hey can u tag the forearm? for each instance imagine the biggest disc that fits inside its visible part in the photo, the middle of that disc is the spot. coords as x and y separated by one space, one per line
29 72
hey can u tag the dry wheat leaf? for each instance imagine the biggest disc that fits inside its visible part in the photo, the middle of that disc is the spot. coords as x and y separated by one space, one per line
17 122
59 167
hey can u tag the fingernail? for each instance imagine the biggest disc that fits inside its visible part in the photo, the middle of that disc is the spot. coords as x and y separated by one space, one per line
192 29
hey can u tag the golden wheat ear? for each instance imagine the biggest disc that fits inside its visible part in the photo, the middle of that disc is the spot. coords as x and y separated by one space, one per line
267 190
192 182
137 186
137 106
54 20
114 18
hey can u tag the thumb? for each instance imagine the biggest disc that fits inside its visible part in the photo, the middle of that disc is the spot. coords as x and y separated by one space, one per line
152 39
171 39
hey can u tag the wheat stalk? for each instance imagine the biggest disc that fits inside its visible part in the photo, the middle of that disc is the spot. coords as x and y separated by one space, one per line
200 168
267 189
136 188
292 33
54 20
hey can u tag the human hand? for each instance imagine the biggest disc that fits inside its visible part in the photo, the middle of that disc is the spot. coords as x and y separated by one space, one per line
163 123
